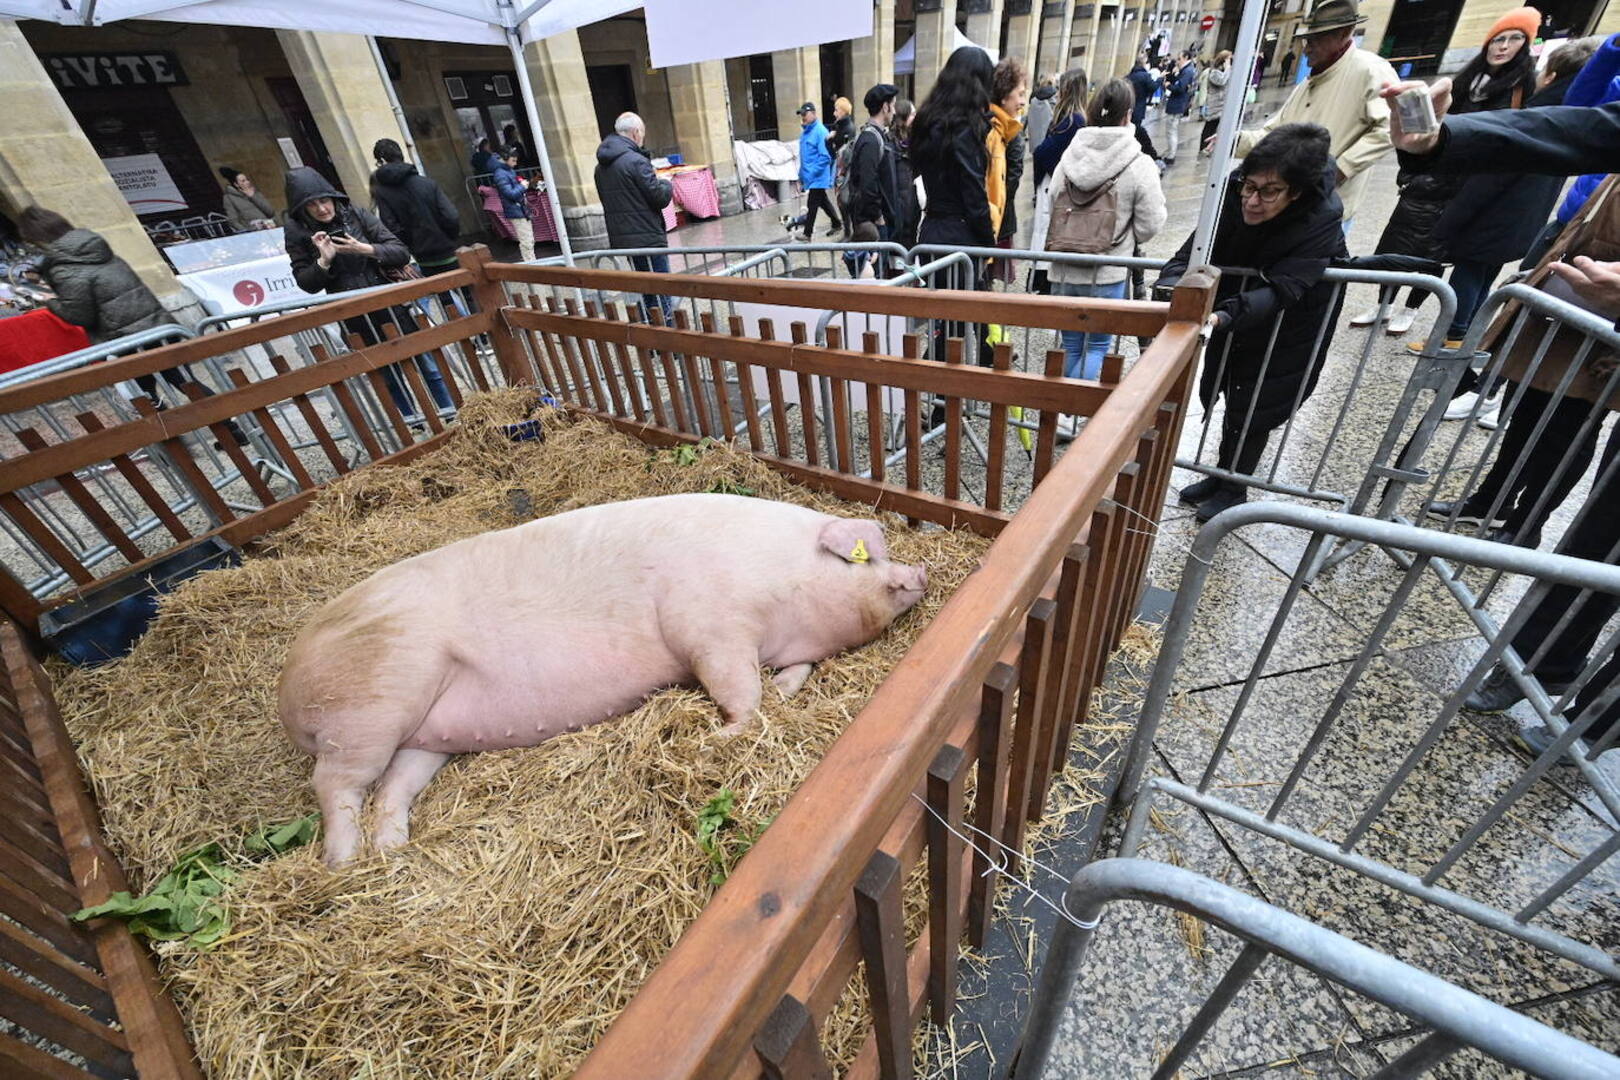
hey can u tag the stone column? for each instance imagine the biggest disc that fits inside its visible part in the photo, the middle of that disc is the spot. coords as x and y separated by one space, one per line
984 24
872 57
46 159
936 40
1056 17
797 74
1024 32
697 99
556 67
345 92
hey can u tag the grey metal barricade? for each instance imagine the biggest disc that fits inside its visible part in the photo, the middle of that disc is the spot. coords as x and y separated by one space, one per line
1384 782
1454 1018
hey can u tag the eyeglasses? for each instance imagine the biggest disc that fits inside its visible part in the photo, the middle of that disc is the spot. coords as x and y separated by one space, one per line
1511 37
1268 194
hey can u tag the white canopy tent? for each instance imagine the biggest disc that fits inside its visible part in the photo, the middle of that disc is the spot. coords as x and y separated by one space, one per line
513 23
905 57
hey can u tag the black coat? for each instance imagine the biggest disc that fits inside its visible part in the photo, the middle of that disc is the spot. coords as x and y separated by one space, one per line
1289 252
838 134
1142 85
633 197
1561 140
872 180
1495 217
96 289
347 271
417 210
908 214
1015 173
952 171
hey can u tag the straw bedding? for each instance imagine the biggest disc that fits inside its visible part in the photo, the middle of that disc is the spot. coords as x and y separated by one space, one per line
541 885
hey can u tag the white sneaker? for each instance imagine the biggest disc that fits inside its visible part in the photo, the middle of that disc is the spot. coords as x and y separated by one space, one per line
1462 406
1401 321
1368 317
1069 426
1488 420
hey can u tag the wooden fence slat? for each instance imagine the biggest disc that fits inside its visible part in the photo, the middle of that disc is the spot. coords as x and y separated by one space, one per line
627 371
953 427
359 425
944 878
911 347
21 1061
46 1015
441 361
745 389
773 386
598 360
411 376
43 535
306 408
838 391
1031 681
787 1046
74 981
27 911
694 380
136 479
1052 733
717 374
87 503
881 924
990 795
807 404
995 467
877 449
225 440
1046 436
278 440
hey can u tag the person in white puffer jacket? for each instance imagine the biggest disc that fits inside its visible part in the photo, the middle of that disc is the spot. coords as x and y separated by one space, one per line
1105 151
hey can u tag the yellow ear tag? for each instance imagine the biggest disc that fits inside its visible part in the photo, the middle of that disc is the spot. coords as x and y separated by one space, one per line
859 554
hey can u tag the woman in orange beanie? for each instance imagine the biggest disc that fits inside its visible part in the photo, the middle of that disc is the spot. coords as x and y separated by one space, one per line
1504 68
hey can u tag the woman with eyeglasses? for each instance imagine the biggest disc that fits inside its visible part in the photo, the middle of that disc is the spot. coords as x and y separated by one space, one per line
1274 315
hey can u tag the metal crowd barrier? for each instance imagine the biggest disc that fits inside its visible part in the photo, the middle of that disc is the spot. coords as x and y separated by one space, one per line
1420 800
1455 1018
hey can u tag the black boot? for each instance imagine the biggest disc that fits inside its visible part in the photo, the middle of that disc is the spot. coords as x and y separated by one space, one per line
1195 493
1226 497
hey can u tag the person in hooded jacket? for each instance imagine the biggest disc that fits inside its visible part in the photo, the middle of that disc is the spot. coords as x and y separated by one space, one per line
246 208
335 247
1042 107
633 199
1216 78
1144 84
909 211
415 209
1105 154
1501 76
514 193
94 288
1068 117
1281 220
484 159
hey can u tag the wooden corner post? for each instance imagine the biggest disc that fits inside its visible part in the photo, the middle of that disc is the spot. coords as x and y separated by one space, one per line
490 297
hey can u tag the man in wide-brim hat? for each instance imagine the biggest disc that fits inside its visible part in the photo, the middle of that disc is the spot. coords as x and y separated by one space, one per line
1341 94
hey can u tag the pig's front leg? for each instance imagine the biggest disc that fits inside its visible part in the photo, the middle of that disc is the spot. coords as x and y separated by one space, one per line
790 680
731 676
403 781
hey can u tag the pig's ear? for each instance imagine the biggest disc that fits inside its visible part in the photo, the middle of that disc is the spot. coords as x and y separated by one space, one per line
854 541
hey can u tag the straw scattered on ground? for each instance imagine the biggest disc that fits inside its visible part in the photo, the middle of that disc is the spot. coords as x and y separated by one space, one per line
541 885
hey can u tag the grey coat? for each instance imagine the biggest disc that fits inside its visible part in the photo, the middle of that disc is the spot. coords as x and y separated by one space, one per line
97 290
242 209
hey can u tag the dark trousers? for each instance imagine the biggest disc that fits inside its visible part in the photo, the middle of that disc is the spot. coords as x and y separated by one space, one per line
1209 129
654 264
1471 281
818 199
1538 461
1241 448
1596 536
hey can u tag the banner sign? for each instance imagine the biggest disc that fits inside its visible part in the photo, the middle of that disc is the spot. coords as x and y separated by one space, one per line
230 290
109 71
145 183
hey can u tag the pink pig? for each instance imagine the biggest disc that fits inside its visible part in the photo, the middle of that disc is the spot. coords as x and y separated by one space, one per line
512 637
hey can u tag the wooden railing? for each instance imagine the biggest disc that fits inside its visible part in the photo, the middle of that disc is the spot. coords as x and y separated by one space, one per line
992 689
994 686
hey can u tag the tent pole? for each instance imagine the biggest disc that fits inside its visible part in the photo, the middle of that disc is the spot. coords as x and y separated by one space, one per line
514 42
1220 162
393 99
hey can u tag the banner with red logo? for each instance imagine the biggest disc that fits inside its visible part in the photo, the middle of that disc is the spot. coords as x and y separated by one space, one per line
227 290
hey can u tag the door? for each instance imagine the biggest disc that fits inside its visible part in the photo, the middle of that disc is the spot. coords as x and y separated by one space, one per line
613 91
306 135
762 93
486 105
131 124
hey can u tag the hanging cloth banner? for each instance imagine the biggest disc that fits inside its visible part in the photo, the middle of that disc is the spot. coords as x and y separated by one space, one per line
687 32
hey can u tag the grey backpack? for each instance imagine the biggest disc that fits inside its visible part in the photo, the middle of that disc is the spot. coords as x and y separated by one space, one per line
1084 223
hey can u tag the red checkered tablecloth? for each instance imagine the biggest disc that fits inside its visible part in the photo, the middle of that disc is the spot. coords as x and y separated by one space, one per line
695 193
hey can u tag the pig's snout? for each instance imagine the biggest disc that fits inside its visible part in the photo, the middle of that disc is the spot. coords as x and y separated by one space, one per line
911 580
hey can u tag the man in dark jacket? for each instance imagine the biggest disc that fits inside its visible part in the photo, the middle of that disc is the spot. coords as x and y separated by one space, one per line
873 201
1143 84
415 209
633 200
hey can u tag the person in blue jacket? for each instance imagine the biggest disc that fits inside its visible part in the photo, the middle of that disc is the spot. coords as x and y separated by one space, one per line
815 175
514 192
1178 94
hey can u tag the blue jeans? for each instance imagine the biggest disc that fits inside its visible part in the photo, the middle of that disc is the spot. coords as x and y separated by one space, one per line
1471 281
656 264
1083 353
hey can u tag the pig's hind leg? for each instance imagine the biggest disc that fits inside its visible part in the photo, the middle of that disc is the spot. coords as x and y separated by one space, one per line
407 774
342 776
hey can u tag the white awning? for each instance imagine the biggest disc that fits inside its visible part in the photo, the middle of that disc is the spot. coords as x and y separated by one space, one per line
905 57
